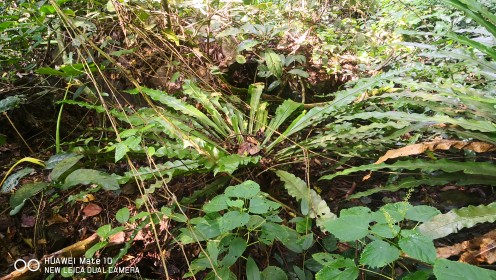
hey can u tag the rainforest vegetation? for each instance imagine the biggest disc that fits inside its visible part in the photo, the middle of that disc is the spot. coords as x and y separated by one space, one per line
248 139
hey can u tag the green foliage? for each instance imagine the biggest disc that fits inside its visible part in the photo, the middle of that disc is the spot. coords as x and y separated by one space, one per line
312 205
442 225
241 211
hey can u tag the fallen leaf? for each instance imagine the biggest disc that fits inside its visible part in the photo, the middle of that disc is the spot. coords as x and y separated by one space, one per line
416 149
56 219
42 241
87 198
28 221
28 241
91 209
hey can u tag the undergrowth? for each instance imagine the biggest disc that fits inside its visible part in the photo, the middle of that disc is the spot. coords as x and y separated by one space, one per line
271 113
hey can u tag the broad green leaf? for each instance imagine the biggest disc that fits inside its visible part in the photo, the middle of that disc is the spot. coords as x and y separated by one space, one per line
418 246
217 204
378 254
247 45
25 192
55 159
213 251
91 251
122 216
63 166
237 247
451 270
252 271
241 59
231 163
385 230
481 168
261 205
421 213
274 273
121 150
232 220
255 222
90 176
274 63
339 269
445 224
299 72
247 189
418 275
349 228
104 231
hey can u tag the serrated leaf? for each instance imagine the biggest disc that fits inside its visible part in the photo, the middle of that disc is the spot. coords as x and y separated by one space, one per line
421 213
451 270
247 189
339 269
261 205
349 228
232 220
418 246
90 176
445 224
385 230
237 247
378 254
231 163
217 204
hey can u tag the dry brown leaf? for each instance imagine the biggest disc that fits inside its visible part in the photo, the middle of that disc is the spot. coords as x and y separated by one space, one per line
416 149
87 198
28 221
91 209
478 250
488 250
56 219
248 148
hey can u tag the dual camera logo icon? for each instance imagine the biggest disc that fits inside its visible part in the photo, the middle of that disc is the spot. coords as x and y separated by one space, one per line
21 265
